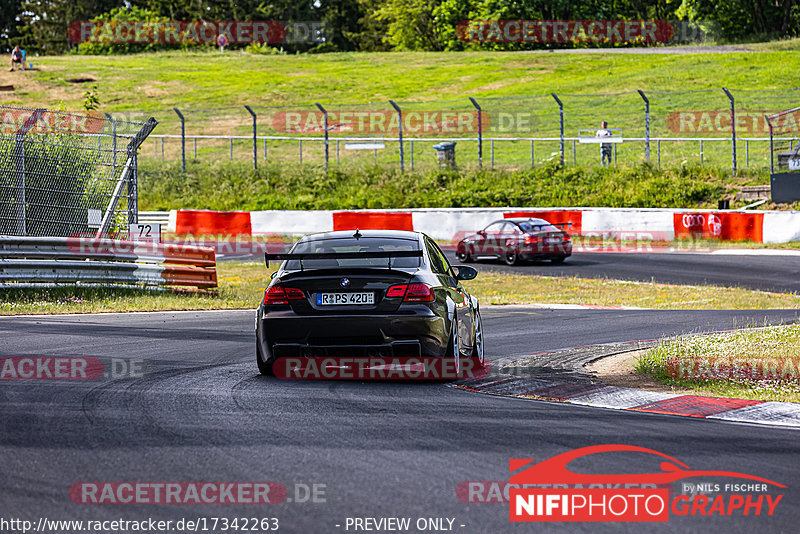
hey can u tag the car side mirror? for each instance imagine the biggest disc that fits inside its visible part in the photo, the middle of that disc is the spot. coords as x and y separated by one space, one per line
273 275
465 272
481 233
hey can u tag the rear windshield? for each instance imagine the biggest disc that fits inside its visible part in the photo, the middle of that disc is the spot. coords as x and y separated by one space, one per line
537 225
350 245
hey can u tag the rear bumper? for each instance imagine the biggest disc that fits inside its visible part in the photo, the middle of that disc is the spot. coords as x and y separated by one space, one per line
546 252
286 334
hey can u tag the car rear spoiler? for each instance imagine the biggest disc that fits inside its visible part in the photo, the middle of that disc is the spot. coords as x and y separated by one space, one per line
300 256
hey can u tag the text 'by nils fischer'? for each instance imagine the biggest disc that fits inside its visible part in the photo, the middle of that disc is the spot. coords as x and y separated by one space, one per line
399 524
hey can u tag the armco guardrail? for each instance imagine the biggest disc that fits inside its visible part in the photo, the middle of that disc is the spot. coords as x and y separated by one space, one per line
78 260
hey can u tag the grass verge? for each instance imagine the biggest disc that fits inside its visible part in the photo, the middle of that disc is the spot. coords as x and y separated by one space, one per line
760 364
230 186
241 285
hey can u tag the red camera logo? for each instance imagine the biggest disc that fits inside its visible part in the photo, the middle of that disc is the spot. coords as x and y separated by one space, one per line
573 496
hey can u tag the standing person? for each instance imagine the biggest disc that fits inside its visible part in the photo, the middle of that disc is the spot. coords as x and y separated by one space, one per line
605 148
16 57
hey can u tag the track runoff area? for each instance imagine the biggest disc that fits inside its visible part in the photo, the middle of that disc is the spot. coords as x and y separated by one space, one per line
165 419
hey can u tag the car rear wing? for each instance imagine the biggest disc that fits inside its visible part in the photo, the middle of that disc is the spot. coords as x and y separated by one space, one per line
550 224
300 256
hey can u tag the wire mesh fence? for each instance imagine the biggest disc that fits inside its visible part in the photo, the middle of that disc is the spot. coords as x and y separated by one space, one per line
666 128
67 173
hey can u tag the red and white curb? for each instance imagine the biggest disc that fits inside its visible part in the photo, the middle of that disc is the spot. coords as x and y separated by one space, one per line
573 386
629 399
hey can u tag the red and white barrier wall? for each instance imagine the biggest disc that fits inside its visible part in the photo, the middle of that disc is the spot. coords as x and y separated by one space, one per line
453 223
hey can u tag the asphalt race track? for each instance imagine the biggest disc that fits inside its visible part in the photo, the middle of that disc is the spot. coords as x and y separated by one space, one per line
762 272
198 411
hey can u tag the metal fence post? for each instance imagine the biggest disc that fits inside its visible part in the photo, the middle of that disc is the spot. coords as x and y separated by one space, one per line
733 129
646 125
480 131
491 149
183 140
255 140
561 120
411 143
300 150
399 132
325 126
771 147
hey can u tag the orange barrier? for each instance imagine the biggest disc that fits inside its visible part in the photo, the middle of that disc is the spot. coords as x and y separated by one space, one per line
184 254
363 220
720 225
187 275
573 218
204 222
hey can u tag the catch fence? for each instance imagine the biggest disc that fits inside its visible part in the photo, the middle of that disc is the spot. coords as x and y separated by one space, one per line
720 127
68 173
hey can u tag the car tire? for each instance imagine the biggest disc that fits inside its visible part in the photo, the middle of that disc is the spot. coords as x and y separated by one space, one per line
511 257
464 257
263 367
478 353
453 352
558 260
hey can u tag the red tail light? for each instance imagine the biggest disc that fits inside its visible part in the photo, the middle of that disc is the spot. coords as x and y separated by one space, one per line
397 291
419 293
530 240
276 295
411 292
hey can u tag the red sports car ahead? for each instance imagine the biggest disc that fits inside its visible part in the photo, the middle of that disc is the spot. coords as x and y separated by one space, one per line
517 239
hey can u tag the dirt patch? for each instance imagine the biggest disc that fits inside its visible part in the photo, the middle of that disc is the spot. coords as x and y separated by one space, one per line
617 370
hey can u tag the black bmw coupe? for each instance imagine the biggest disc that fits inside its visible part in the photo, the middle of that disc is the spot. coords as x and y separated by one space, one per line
367 294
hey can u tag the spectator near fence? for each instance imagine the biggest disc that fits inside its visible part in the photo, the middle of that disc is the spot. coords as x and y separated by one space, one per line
605 148
17 57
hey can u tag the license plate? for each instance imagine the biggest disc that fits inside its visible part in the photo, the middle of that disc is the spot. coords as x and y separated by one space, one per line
554 241
333 299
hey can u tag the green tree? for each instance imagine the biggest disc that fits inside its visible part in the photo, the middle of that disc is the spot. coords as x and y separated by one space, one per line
9 25
44 23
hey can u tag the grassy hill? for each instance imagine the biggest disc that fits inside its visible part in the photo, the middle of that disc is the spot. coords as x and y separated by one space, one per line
159 81
211 89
